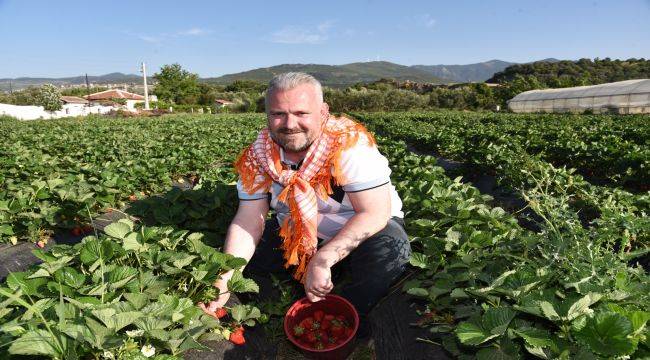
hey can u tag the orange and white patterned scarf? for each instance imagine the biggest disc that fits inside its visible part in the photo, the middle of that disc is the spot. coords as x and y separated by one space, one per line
259 166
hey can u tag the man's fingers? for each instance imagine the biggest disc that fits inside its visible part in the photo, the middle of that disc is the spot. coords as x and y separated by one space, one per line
314 297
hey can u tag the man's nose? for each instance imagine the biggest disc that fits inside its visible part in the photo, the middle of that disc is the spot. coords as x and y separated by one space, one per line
292 121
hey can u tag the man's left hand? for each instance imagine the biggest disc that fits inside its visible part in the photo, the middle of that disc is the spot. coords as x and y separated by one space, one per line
318 282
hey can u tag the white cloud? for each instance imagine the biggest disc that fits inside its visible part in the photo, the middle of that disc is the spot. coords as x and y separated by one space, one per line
195 31
150 39
426 20
160 38
291 34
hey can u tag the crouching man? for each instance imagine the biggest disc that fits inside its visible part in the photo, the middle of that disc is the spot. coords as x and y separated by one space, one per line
331 190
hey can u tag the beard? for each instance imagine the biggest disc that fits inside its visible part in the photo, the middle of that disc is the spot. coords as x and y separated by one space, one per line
295 140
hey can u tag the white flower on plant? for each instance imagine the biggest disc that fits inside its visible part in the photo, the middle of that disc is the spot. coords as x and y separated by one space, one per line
185 287
108 355
134 333
148 351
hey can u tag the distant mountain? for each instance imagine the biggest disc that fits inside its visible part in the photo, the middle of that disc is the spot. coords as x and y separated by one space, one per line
329 75
336 75
466 73
112 78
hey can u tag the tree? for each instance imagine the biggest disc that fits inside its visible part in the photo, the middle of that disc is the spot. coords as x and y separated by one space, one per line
49 97
176 84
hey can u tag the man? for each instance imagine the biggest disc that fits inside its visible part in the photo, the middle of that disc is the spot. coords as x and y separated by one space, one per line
331 190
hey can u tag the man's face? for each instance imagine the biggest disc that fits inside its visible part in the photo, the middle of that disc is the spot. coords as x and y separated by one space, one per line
295 117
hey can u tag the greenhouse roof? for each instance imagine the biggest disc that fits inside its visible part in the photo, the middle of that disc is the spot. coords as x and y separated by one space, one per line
637 86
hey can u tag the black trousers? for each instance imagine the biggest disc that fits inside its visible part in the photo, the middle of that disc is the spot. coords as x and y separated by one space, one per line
375 265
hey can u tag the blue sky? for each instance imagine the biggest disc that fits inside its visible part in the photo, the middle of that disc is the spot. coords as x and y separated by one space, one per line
212 38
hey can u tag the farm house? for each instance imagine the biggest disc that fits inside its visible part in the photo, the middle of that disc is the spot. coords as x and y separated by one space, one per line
622 97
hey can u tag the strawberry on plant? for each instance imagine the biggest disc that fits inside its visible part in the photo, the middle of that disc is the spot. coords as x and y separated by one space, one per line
237 337
220 312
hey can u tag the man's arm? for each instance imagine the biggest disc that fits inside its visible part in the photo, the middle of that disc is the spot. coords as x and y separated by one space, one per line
372 211
245 231
243 235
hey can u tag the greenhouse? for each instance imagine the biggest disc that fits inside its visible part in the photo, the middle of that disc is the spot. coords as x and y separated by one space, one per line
622 97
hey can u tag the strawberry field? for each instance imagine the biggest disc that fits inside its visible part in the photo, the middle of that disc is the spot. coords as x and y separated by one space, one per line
561 277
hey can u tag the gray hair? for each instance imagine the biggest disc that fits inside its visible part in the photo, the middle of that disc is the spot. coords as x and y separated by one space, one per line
291 80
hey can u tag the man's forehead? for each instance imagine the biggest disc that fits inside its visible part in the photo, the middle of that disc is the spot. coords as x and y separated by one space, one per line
301 93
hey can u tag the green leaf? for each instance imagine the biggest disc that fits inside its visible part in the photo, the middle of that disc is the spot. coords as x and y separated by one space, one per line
38 307
244 312
39 273
534 337
471 333
606 334
549 310
496 320
581 306
35 342
120 276
184 260
18 280
419 260
70 277
93 248
137 300
133 241
239 284
507 350
114 320
418 292
6 230
117 230
149 323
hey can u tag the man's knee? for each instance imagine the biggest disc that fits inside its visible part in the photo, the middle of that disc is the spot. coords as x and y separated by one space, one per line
388 251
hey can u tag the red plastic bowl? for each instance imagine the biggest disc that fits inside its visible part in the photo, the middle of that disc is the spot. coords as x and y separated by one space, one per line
333 304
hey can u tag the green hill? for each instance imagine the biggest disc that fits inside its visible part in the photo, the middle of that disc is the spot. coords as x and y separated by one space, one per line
337 75
575 73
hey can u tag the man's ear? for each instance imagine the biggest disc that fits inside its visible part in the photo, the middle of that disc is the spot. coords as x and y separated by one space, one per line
325 111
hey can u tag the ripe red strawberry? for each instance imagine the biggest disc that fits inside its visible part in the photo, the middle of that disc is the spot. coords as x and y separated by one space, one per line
76 231
325 324
311 337
220 312
307 323
337 329
319 346
237 337
318 315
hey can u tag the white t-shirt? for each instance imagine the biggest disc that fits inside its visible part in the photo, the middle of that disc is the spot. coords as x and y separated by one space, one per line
363 168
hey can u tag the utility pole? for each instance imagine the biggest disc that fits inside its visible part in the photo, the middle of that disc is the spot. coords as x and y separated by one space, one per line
87 85
146 91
